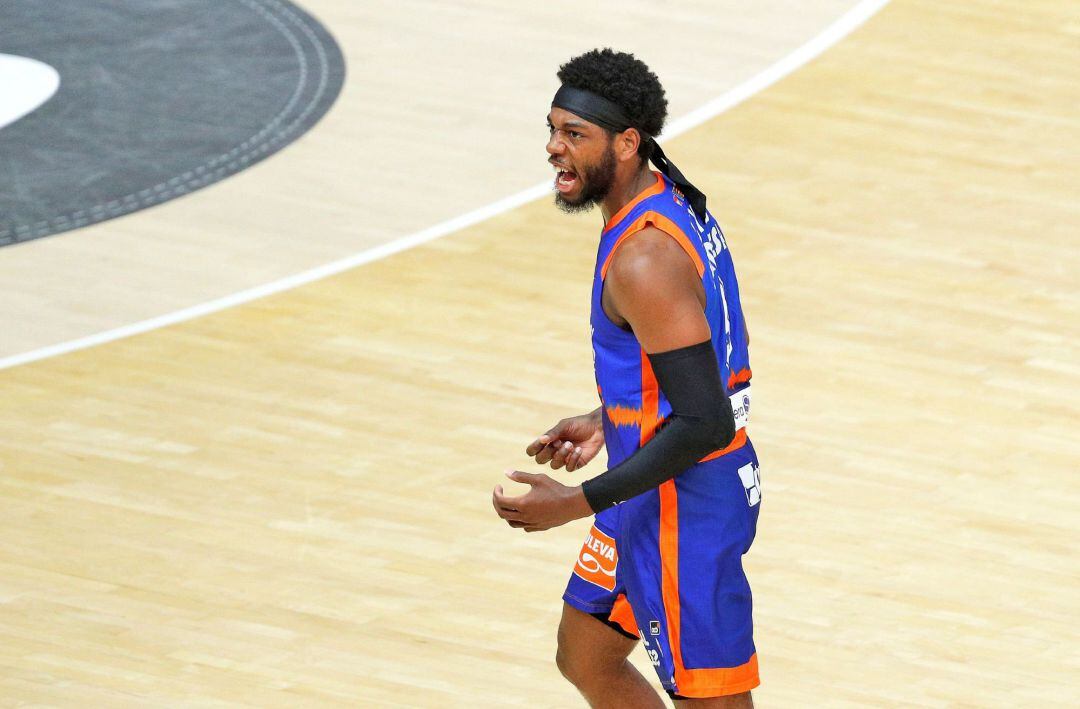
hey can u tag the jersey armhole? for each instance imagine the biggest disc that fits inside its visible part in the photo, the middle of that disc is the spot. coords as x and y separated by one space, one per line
659 221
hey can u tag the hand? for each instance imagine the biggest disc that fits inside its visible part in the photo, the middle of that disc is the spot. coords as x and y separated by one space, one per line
572 442
548 504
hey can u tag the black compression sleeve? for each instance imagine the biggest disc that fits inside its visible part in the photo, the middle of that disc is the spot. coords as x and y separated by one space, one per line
701 422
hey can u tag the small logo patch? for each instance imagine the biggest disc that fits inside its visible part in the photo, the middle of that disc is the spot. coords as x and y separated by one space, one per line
751 482
654 627
598 560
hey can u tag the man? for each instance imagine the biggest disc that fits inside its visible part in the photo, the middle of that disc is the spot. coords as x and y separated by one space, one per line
678 506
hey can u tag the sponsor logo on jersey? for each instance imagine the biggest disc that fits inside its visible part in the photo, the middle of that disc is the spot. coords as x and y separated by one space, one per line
598 560
741 406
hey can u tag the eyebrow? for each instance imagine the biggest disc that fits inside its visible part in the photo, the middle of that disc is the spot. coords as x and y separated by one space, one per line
569 124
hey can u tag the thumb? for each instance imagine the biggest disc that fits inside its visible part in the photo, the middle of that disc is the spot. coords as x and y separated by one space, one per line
556 431
527 478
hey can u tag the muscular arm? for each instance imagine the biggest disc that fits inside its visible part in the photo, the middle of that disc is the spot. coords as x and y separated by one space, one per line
652 285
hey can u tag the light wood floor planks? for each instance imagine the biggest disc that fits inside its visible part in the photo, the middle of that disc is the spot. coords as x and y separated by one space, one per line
442 101
286 504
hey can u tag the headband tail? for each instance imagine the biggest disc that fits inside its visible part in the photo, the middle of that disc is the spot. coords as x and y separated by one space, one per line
695 196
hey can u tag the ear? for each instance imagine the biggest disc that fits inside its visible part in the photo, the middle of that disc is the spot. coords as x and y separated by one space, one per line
626 144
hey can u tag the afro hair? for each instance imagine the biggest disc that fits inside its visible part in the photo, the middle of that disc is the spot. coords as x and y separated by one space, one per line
625 80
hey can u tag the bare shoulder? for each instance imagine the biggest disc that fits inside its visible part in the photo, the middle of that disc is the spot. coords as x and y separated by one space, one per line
653 285
650 259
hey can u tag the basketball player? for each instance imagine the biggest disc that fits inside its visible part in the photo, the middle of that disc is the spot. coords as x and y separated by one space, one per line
678 506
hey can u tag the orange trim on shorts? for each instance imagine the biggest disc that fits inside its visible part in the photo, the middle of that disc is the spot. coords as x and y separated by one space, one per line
663 224
717 681
736 443
650 400
669 567
623 615
692 683
656 189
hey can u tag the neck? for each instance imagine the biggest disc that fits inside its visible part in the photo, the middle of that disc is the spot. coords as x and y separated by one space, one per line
624 190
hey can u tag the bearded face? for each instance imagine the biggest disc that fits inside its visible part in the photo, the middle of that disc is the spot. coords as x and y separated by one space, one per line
581 189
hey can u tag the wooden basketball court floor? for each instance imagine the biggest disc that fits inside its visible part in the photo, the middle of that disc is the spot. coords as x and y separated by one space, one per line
286 503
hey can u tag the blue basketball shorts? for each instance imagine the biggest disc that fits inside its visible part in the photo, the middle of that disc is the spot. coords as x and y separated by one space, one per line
666 566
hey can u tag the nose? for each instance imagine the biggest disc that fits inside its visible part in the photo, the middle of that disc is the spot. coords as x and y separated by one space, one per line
555 145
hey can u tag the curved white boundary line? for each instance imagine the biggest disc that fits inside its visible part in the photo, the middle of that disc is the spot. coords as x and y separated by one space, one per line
28 83
832 34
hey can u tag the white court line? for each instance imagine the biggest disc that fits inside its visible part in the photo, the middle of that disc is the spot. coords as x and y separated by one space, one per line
832 34
27 83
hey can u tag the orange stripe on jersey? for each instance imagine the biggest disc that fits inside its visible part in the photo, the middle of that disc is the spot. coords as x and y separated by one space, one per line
648 416
672 229
638 225
623 415
740 377
693 683
641 196
665 225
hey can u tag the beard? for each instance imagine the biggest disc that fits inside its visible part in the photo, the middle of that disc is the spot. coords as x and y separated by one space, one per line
596 182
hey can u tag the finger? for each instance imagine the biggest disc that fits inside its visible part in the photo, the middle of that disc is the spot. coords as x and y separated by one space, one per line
503 502
559 459
538 445
548 451
500 503
501 499
550 436
495 500
527 478
509 515
504 510
565 453
512 517
573 461
554 432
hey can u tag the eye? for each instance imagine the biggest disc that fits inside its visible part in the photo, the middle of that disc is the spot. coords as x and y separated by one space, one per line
575 135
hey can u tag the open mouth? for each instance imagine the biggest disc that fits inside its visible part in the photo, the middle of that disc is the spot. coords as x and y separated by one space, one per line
565 180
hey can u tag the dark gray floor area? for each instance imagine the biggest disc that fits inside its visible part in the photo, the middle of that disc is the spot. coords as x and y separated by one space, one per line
157 98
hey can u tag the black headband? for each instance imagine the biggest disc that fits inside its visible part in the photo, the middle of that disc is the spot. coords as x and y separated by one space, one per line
608 114
593 108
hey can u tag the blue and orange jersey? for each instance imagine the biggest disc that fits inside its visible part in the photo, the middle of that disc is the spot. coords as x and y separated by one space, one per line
633 404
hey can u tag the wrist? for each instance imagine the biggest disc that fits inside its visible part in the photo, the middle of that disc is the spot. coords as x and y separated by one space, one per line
579 504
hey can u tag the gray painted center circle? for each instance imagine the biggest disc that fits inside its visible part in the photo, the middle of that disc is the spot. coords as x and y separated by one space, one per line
156 99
